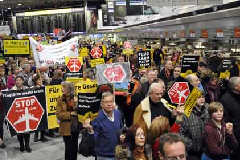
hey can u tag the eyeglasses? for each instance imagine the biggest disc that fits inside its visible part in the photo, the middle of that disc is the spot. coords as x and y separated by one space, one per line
108 102
180 157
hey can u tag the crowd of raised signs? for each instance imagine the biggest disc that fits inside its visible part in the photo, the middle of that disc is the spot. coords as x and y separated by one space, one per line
194 96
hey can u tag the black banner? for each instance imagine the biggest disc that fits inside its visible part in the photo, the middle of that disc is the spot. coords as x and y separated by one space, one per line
88 103
190 63
25 110
144 58
226 64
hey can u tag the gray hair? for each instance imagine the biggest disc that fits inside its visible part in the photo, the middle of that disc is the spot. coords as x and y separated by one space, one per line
155 85
190 77
233 82
106 94
69 86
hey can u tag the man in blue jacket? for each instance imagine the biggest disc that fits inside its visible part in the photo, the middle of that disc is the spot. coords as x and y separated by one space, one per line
106 128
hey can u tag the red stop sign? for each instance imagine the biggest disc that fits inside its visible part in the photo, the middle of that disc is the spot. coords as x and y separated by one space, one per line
74 65
179 92
114 73
127 45
25 114
96 52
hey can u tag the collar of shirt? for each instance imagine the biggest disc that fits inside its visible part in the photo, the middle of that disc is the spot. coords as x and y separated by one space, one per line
110 118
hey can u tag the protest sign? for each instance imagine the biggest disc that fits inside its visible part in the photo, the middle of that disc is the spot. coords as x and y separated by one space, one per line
25 110
191 101
16 47
121 88
97 61
88 106
54 54
190 63
144 58
113 73
53 92
74 66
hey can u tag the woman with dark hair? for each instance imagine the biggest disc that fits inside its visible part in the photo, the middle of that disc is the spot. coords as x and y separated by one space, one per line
68 120
38 82
137 140
23 138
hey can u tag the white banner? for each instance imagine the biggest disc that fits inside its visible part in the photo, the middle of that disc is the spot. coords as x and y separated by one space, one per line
53 54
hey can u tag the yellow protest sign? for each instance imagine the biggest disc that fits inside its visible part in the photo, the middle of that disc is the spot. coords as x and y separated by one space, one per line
16 47
84 52
191 101
104 49
224 75
2 60
97 61
86 86
53 92
128 52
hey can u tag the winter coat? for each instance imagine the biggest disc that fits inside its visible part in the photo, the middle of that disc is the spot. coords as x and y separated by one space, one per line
64 117
142 114
231 104
213 92
218 143
192 129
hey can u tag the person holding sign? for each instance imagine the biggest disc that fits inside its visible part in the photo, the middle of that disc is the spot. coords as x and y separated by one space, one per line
152 107
38 82
23 138
106 128
192 128
68 121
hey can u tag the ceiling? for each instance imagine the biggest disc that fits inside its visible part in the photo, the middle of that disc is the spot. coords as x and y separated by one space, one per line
27 5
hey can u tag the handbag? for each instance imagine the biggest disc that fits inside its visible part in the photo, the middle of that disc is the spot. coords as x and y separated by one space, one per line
86 146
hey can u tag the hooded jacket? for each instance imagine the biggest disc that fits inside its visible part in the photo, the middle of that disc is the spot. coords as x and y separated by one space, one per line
218 143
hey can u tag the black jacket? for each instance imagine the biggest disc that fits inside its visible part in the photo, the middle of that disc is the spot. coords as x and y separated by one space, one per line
231 103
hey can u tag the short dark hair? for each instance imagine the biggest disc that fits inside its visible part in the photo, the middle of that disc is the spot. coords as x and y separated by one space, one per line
21 77
169 138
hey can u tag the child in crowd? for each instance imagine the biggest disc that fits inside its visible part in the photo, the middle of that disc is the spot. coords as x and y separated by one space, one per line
218 137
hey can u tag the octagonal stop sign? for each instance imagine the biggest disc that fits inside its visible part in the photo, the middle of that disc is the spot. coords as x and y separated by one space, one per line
179 92
115 73
74 65
96 52
25 114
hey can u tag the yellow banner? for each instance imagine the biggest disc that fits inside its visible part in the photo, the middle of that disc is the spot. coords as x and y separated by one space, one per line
191 101
16 47
128 52
86 86
53 92
84 52
224 75
97 61
2 61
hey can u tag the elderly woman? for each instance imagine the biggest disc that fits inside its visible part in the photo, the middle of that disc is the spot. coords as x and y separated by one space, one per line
68 121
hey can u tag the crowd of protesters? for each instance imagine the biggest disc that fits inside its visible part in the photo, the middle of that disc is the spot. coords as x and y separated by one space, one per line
133 126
